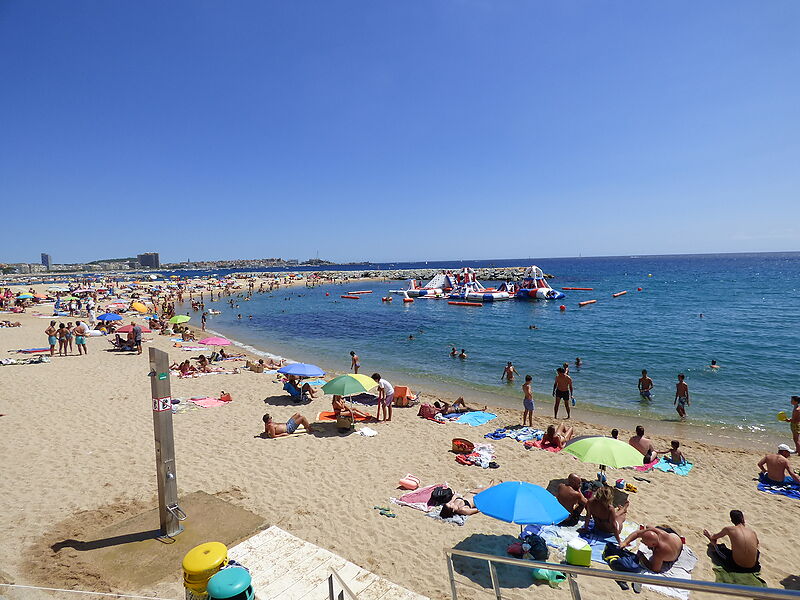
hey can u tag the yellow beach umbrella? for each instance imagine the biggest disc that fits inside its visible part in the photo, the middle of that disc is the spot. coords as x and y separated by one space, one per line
139 307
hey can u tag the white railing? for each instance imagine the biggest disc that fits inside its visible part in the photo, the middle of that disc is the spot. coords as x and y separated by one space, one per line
724 589
344 593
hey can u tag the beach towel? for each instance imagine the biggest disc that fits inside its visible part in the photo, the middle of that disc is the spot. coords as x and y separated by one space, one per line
682 569
647 467
789 488
367 432
418 499
664 465
328 416
208 402
435 511
316 382
751 579
521 434
558 536
33 350
538 444
475 418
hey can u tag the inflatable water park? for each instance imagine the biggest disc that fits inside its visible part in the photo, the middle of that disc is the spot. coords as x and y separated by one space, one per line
464 289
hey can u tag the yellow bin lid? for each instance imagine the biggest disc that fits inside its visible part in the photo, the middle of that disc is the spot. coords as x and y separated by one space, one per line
203 561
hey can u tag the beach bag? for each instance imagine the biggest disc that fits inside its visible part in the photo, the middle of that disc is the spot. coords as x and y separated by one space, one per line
344 423
462 446
538 546
441 495
409 482
515 550
225 397
620 559
427 411
552 578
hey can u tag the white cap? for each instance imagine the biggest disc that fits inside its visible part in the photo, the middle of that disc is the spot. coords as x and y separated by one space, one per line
784 447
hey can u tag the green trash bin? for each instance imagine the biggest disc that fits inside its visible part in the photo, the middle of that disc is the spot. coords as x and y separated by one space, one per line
233 583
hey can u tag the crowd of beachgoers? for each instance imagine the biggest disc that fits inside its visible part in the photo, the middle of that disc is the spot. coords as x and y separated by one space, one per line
132 315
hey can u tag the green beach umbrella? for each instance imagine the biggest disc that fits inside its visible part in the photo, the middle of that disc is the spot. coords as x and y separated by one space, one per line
348 385
605 451
68 298
180 319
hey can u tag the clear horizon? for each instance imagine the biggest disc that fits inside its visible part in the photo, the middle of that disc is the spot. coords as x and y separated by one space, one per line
395 132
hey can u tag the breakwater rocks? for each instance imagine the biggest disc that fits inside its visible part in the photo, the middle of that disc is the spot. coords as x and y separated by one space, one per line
423 275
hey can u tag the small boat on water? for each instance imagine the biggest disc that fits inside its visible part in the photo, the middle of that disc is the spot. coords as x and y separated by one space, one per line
469 289
534 286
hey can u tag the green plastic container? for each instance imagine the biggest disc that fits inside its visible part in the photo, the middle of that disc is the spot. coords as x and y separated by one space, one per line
233 583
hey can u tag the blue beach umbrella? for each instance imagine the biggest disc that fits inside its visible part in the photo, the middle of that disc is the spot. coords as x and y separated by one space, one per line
109 317
522 503
302 370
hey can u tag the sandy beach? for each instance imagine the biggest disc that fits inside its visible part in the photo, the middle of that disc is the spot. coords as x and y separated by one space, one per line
78 446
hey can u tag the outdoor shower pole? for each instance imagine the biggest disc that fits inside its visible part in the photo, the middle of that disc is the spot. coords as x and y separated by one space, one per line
170 514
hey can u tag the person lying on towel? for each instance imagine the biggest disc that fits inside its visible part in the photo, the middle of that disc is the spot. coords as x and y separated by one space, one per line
340 408
457 407
273 429
775 466
665 543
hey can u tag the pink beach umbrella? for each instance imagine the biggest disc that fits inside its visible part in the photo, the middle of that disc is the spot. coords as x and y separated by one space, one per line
129 328
215 341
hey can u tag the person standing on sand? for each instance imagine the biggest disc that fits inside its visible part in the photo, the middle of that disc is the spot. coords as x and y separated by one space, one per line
743 555
794 423
62 339
137 337
562 390
355 363
50 332
385 397
80 337
527 402
509 372
681 396
645 386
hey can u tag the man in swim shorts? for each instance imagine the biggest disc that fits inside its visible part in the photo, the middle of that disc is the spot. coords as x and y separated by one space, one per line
51 337
743 555
665 543
645 386
80 337
644 445
273 429
775 467
562 390
794 423
527 402
681 396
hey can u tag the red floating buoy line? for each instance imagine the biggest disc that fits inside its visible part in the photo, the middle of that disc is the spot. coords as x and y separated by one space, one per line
350 297
579 289
465 303
618 294
586 302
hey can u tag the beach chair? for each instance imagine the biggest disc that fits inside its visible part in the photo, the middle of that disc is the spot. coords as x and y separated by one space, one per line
294 391
120 344
402 395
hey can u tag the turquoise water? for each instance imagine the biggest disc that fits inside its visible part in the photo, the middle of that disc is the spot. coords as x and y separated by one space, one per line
750 325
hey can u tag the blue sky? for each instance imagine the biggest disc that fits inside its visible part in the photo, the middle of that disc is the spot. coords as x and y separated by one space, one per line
397 130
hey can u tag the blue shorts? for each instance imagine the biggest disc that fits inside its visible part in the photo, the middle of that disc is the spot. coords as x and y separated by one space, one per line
528 404
80 340
646 394
291 426
52 340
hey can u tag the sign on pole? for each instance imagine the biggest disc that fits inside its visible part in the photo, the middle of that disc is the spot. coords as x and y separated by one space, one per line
169 512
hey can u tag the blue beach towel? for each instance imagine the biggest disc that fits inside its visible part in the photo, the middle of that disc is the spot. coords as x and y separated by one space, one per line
521 434
789 488
664 465
475 418
315 382
557 536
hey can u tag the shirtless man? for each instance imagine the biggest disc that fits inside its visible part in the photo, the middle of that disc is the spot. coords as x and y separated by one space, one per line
794 423
570 497
774 467
273 429
562 390
645 386
527 401
508 372
80 337
644 445
681 396
665 544
51 337
607 517
743 555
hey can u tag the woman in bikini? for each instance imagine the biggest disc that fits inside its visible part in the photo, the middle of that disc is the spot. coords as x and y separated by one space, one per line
70 335
458 505
557 438
607 517
62 339
340 408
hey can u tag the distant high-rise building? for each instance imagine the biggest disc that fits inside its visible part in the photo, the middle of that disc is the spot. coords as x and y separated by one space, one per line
46 260
149 259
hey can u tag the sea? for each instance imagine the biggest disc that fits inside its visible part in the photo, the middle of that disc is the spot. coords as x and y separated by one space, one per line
680 313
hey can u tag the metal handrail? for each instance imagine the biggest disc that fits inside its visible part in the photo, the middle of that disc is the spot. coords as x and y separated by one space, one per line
342 584
727 589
